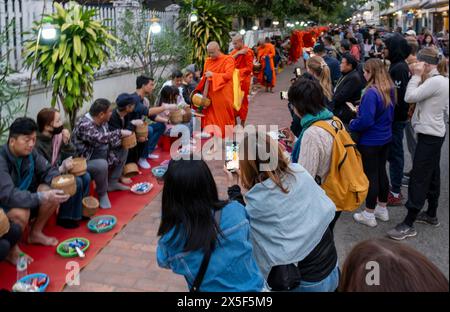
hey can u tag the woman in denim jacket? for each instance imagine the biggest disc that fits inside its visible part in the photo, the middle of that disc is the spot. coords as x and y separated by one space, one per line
187 229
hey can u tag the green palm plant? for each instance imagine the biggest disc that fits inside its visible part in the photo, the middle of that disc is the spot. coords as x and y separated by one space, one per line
213 24
69 63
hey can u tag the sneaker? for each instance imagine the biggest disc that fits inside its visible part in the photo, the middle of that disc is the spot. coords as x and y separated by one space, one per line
363 219
395 201
405 181
153 156
402 231
381 213
423 217
143 163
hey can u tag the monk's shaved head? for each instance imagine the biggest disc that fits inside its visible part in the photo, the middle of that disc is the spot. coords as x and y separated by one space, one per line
213 49
238 37
213 45
238 42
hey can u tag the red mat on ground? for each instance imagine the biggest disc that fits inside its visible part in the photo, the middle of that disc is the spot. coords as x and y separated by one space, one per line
125 205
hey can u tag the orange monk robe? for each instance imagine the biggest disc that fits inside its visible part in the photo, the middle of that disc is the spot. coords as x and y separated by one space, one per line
221 111
245 65
299 49
267 49
295 44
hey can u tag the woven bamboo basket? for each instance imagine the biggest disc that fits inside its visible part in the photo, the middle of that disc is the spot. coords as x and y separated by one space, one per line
90 206
199 101
187 116
130 170
176 117
79 166
66 183
129 141
142 131
4 223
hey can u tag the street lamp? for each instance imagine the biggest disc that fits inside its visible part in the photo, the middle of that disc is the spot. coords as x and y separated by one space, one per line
242 32
48 34
276 23
297 23
193 18
255 27
155 27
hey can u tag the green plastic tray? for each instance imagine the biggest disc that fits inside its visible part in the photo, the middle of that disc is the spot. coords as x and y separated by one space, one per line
60 249
92 225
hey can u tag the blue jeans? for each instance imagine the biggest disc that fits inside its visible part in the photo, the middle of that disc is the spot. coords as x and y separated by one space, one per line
396 156
328 284
155 130
72 209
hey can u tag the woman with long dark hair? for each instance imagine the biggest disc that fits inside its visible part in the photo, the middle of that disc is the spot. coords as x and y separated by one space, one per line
53 142
190 228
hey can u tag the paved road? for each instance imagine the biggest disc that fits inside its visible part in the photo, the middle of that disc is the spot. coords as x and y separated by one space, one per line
128 263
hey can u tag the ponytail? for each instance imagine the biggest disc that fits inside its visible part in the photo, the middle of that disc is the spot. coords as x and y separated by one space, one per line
322 71
325 81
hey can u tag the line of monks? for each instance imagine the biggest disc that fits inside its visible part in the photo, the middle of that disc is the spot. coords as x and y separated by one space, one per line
219 69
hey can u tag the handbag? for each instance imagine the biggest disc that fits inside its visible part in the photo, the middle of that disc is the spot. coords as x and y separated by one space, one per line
204 265
284 277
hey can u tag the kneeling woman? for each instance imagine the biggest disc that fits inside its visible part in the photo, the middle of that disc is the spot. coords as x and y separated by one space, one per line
53 142
290 219
194 221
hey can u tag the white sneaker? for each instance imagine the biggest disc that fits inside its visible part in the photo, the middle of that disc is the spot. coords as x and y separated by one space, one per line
143 163
153 156
381 213
363 219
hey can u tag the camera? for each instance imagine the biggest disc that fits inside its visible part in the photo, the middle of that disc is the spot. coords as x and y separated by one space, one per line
298 72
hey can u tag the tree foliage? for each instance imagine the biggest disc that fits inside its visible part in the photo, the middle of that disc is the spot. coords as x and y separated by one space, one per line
69 62
154 54
213 24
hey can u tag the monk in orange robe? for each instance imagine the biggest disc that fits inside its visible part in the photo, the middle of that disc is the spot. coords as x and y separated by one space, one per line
243 59
267 49
218 70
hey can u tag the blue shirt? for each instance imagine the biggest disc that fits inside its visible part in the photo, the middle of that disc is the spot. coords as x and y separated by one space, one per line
335 69
232 267
374 119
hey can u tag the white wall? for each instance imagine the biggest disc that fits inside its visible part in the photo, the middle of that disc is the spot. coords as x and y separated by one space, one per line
109 87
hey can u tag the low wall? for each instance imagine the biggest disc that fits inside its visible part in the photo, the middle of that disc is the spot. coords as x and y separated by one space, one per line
108 87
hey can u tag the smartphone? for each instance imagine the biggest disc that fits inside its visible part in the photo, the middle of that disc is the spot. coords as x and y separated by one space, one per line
298 71
232 156
351 106
284 95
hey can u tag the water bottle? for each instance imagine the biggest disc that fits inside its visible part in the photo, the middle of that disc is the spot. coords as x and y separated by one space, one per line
22 266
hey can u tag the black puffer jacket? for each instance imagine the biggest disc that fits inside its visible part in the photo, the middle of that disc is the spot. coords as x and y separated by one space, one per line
399 50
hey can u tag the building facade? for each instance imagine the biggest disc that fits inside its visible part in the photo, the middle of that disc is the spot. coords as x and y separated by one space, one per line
417 15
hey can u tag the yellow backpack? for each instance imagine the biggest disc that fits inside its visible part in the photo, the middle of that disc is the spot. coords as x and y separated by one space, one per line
238 94
346 184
